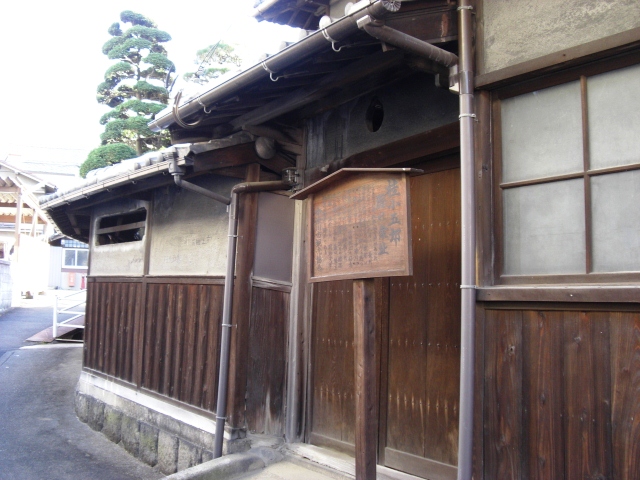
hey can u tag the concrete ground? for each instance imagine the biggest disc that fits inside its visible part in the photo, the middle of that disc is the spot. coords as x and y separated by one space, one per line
40 435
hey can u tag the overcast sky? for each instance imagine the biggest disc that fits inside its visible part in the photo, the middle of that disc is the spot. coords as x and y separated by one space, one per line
51 62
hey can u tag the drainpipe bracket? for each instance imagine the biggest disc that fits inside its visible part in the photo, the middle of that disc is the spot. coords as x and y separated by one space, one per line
454 79
175 169
368 21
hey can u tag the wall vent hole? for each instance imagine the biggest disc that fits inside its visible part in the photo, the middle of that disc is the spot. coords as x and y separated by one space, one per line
375 115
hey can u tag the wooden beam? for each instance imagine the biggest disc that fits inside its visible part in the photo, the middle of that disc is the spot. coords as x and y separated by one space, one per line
400 153
225 157
247 216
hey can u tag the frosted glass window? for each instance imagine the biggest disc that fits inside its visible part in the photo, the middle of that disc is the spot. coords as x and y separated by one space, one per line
542 133
544 231
615 202
613 102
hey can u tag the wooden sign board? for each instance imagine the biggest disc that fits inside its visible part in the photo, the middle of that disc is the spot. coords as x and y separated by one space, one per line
359 224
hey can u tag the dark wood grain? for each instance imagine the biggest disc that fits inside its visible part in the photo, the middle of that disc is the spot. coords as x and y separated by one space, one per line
247 221
543 449
267 361
503 395
585 445
366 378
625 401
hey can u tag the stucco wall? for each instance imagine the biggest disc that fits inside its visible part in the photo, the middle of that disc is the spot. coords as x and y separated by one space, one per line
519 30
189 231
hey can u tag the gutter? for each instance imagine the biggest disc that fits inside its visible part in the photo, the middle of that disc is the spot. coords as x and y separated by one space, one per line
227 306
269 68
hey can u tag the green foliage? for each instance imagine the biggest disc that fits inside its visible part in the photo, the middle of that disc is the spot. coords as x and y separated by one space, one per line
149 91
117 71
134 87
106 155
152 34
131 108
136 19
114 30
221 54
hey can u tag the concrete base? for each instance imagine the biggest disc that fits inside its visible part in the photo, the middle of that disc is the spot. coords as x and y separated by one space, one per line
159 433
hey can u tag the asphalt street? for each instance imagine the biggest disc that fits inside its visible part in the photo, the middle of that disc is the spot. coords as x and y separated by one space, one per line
40 435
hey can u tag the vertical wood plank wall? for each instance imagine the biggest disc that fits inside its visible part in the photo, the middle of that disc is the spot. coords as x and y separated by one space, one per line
267 361
561 394
177 344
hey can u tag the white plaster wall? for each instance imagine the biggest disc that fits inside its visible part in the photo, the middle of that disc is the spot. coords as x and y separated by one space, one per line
516 31
189 231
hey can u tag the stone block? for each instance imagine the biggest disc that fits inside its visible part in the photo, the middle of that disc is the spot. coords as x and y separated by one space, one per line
188 455
206 456
167 453
95 414
82 407
130 435
148 444
112 424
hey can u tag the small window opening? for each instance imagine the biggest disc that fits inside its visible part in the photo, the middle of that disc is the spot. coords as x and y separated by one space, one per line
127 227
375 115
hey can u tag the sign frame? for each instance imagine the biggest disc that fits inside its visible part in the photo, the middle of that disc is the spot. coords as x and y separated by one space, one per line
377 199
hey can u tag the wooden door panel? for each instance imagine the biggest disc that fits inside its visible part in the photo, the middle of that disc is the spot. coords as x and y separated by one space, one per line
333 420
420 403
424 334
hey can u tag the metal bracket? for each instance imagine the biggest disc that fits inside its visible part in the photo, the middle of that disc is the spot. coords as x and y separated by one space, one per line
454 79
325 34
271 72
470 287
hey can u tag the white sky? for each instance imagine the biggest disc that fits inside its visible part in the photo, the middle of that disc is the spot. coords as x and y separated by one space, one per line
51 62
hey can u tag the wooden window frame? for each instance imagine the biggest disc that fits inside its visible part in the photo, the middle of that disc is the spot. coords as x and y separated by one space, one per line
534 84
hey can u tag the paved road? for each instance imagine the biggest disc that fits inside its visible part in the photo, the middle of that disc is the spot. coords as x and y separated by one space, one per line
40 435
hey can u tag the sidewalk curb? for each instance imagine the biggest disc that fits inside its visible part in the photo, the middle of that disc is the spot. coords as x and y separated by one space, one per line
230 465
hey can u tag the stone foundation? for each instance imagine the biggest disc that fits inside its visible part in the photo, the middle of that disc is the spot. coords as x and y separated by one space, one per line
158 433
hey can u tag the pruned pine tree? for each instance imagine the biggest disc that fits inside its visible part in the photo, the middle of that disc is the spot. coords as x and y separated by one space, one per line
213 61
136 87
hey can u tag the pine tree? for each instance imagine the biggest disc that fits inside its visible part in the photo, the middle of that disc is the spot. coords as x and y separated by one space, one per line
213 61
136 87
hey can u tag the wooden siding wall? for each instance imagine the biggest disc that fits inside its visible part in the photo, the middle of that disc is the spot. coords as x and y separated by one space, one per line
267 361
561 394
181 342
164 338
109 344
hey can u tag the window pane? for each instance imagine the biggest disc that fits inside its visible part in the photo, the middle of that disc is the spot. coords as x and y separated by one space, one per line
615 202
544 229
83 256
70 258
614 117
542 133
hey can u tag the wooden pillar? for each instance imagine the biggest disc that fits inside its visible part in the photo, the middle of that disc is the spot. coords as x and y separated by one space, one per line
247 220
366 378
16 243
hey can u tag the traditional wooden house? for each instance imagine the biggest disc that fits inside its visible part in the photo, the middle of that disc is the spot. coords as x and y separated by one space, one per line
513 349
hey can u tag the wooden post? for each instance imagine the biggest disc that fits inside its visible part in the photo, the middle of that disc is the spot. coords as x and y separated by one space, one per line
16 244
366 378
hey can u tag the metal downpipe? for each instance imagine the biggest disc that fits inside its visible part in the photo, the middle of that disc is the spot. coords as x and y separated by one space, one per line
468 222
408 43
227 306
